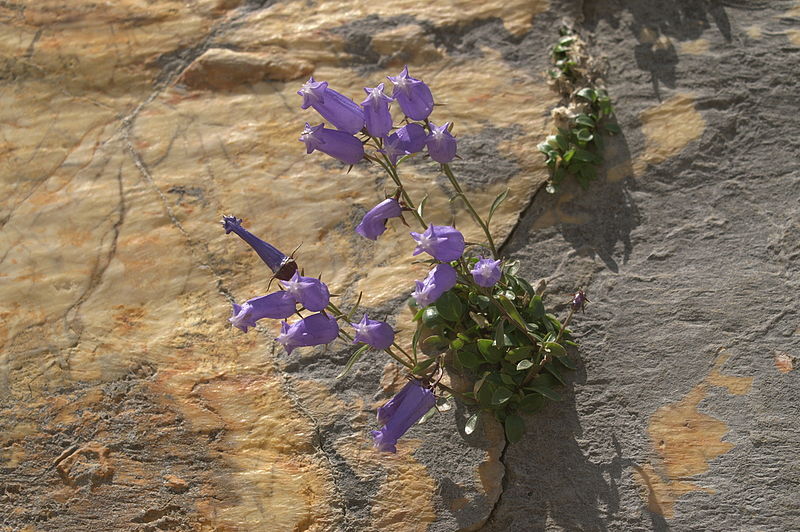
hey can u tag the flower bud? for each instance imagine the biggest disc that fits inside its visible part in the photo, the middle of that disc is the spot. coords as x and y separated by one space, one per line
486 272
337 144
413 95
376 111
282 266
439 280
374 222
377 334
442 242
278 305
441 144
308 291
316 329
337 109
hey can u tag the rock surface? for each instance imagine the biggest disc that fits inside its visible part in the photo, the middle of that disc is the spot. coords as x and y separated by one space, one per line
128 403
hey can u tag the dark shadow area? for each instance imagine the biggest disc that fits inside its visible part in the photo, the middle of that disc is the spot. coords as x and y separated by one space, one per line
655 25
595 221
548 475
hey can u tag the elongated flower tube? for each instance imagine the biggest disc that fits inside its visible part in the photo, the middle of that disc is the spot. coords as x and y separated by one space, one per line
316 329
308 291
278 305
400 413
486 272
282 266
441 144
439 280
337 144
442 242
376 111
377 334
413 95
336 108
374 222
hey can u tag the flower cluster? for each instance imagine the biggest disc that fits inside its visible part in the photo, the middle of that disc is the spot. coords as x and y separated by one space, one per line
308 292
473 314
373 119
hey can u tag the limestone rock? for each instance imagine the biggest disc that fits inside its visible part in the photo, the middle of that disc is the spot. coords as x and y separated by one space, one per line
223 69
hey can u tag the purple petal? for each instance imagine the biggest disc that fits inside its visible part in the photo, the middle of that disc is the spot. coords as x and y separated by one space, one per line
442 242
337 144
374 222
308 291
441 144
412 137
376 111
439 280
413 95
282 266
278 305
486 272
377 334
337 109
413 402
316 329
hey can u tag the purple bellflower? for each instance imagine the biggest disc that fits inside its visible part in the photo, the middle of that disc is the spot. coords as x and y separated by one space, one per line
374 222
282 266
376 111
442 242
486 272
278 305
316 329
337 109
337 144
439 280
308 291
377 334
400 413
441 144
405 141
413 95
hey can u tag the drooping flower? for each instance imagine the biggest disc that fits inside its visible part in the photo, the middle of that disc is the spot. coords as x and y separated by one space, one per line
412 137
374 222
336 108
442 242
376 111
282 266
400 413
377 334
337 144
278 305
486 272
579 301
441 144
308 291
439 280
316 329
413 95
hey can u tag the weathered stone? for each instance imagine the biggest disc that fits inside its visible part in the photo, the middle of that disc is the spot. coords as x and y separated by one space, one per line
222 69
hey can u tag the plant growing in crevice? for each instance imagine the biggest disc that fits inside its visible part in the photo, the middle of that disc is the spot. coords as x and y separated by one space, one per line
583 118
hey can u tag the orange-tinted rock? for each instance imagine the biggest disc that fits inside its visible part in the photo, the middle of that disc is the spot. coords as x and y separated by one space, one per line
222 69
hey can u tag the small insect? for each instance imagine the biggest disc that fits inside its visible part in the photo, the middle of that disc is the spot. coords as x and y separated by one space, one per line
579 301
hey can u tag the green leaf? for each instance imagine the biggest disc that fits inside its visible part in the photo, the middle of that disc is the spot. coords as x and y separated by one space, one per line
544 387
420 368
551 369
519 353
484 344
584 135
449 306
430 317
561 140
429 414
512 312
585 120
507 379
495 204
524 364
531 403
515 427
484 395
456 344
614 129
587 94
500 335
566 41
536 308
584 155
472 422
353 359
569 155
421 207
555 349
501 395
469 358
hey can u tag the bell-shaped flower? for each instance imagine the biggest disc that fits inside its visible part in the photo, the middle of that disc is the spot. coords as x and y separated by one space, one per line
337 109
282 266
316 329
400 413
439 280
278 306
308 291
412 137
376 111
442 242
413 95
441 144
337 144
394 148
374 222
377 334
486 272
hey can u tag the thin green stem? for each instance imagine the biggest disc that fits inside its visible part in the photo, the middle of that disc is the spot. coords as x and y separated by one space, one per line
453 181
339 314
392 171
